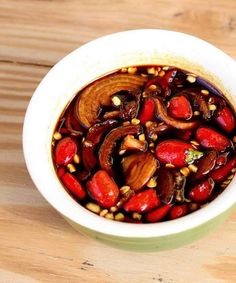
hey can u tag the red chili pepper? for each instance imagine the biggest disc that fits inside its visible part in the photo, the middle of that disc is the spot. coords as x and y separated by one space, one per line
103 189
177 211
164 81
142 202
65 151
73 185
202 192
225 119
184 135
180 107
210 138
61 170
221 160
220 174
147 112
158 214
176 152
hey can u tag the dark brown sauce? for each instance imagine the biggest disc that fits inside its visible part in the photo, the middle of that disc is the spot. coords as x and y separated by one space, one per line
129 145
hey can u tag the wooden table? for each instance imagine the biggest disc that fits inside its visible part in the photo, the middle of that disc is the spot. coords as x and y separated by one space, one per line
36 244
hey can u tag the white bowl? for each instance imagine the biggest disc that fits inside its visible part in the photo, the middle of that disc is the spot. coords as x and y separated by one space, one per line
84 65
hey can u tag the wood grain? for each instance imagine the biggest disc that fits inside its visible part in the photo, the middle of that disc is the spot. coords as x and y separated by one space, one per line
36 245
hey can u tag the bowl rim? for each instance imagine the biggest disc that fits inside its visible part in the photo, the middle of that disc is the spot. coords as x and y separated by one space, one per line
78 214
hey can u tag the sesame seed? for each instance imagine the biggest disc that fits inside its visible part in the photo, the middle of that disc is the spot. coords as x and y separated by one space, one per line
169 165
57 136
119 217
141 137
148 124
193 168
123 151
196 113
161 73
71 168
132 70
151 70
165 68
152 87
76 159
135 121
205 91
151 183
113 209
151 144
103 212
124 70
116 100
136 216
109 216
185 171
191 79
212 107
124 189
154 137
93 207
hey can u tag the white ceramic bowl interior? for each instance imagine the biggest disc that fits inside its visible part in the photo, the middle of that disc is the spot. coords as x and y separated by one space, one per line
85 64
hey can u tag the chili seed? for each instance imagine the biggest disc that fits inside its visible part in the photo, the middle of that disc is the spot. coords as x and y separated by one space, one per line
76 159
191 79
233 170
144 94
57 136
234 139
124 190
161 73
119 217
151 71
141 137
109 216
71 168
93 207
132 70
136 216
135 121
103 212
151 183
165 68
144 75
205 91
180 85
193 168
185 171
